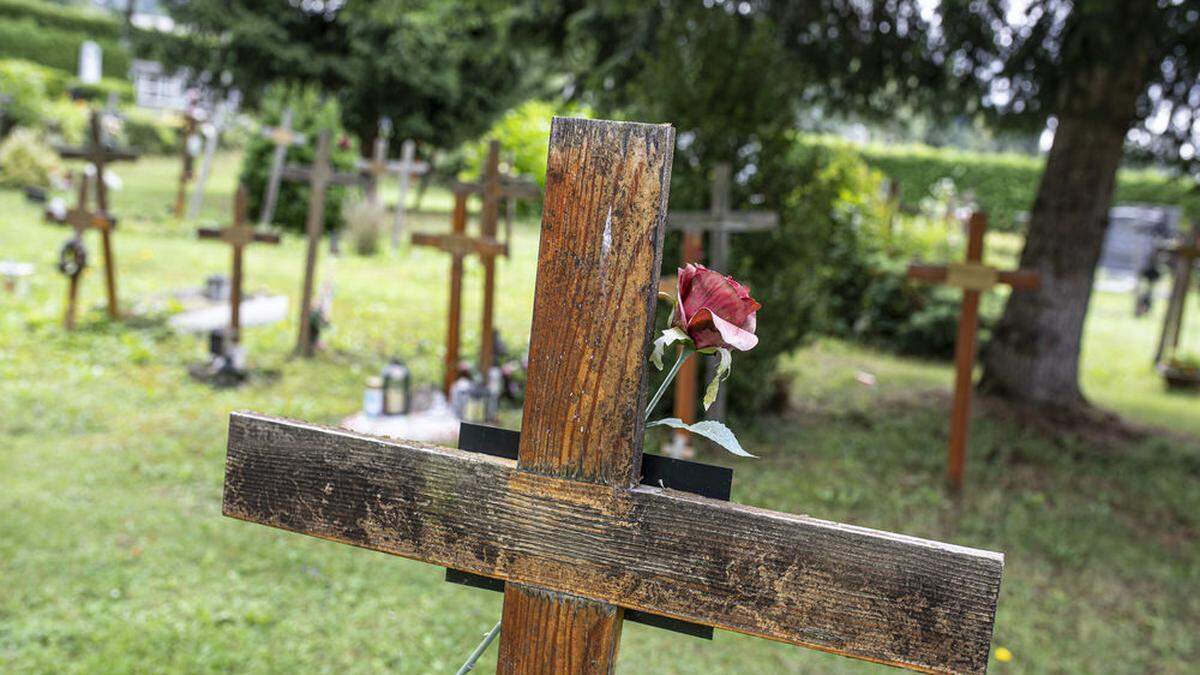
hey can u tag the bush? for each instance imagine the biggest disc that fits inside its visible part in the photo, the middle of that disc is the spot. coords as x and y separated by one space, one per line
1004 184
65 121
26 160
25 83
366 222
150 132
309 115
100 91
523 133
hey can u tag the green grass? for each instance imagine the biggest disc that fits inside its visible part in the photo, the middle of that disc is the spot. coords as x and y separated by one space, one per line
114 556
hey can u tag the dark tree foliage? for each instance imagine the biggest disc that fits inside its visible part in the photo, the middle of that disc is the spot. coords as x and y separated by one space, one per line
443 71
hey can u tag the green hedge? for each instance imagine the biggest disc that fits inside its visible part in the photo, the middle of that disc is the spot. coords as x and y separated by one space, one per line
1003 183
57 48
93 22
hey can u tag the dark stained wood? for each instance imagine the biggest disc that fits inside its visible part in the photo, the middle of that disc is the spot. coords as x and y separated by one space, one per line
239 235
966 343
840 588
584 639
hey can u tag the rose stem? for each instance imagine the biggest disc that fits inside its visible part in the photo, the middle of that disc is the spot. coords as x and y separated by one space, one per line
487 640
662 388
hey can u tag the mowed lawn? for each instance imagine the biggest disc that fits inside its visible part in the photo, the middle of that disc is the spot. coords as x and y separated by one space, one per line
114 556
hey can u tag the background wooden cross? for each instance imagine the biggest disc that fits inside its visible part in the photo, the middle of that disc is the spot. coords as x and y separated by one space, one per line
973 277
99 155
212 131
459 245
238 235
319 177
81 220
1184 256
187 159
567 526
282 137
494 187
720 222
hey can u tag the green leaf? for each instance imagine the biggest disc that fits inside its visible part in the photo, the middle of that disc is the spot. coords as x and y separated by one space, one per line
710 392
711 429
669 337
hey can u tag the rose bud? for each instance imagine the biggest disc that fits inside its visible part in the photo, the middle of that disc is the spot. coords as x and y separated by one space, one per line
714 310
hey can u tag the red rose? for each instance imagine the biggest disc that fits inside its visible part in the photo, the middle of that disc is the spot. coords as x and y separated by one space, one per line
714 310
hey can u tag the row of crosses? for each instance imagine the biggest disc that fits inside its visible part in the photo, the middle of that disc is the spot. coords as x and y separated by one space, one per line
568 527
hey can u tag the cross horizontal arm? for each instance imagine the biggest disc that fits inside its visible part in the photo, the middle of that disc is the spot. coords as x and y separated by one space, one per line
734 221
236 234
838 588
109 154
1018 279
459 244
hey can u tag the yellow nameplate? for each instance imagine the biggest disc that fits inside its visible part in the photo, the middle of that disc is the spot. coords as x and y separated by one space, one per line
971 276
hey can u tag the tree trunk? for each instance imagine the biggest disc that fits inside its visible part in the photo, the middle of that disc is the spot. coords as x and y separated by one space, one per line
1033 356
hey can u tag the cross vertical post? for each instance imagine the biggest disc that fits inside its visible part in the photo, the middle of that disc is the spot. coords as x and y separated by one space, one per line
973 277
212 139
313 226
408 167
283 138
187 160
602 227
1184 263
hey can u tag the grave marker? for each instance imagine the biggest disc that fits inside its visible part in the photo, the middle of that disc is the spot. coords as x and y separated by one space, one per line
973 277
378 167
720 222
187 156
319 177
283 138
212 139
1184 255
459 245
90 60
567 526
238 235
99 155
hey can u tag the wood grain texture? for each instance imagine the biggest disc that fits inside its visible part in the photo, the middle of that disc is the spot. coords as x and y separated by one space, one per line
607 185
840 588
582 638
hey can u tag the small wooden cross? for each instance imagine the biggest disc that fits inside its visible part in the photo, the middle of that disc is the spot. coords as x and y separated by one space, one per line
283 138
720 222
212 139
187 159
378 167
73 256
973 277
238 235
494 187
99 155
567 525
1184 255
459 245
319 177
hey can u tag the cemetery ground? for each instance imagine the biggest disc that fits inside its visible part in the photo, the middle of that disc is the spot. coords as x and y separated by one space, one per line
114 556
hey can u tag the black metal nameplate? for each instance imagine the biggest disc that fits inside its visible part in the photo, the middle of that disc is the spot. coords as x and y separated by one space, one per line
705 480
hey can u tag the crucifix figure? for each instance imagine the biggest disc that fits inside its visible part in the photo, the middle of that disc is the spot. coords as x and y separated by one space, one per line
567 527
378 167
319 177
188 149
238 235
1184 255
973 277
494 187
459 245
283 138
720 222
99 155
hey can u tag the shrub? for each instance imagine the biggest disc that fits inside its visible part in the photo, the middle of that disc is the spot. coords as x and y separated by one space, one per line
309 115
25 83
523 133
65 121
100 91
366 221
26 160
150 132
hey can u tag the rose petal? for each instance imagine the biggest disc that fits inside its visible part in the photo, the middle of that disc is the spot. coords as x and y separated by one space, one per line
720 295
741 340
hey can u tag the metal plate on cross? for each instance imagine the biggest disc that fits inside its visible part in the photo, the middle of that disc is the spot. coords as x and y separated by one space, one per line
970 276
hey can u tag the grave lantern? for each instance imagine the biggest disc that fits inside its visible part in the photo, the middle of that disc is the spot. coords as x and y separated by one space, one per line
397 388
477 404
373 397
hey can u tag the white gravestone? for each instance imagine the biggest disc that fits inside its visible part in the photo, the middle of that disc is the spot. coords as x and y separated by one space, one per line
90 59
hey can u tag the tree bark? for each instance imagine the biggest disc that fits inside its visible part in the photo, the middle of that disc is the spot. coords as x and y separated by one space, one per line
1033 356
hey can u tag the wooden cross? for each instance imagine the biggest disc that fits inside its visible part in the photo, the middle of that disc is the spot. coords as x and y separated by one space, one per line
99 155
187 159
566 525
319 177
459 245
494 187
212 139
238 235
1184 255
282 137
720 222
973 277
379 166
73 257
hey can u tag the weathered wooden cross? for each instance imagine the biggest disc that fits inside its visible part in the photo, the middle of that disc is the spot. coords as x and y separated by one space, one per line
459 245
378 167
72 259
212 131
973 277
494 187
99 155
1184 256
282 137
319 177
187 158
238 235
720 222
566 525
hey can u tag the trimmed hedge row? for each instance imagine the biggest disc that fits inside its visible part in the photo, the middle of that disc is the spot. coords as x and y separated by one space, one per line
95 23
57 48
1003 183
